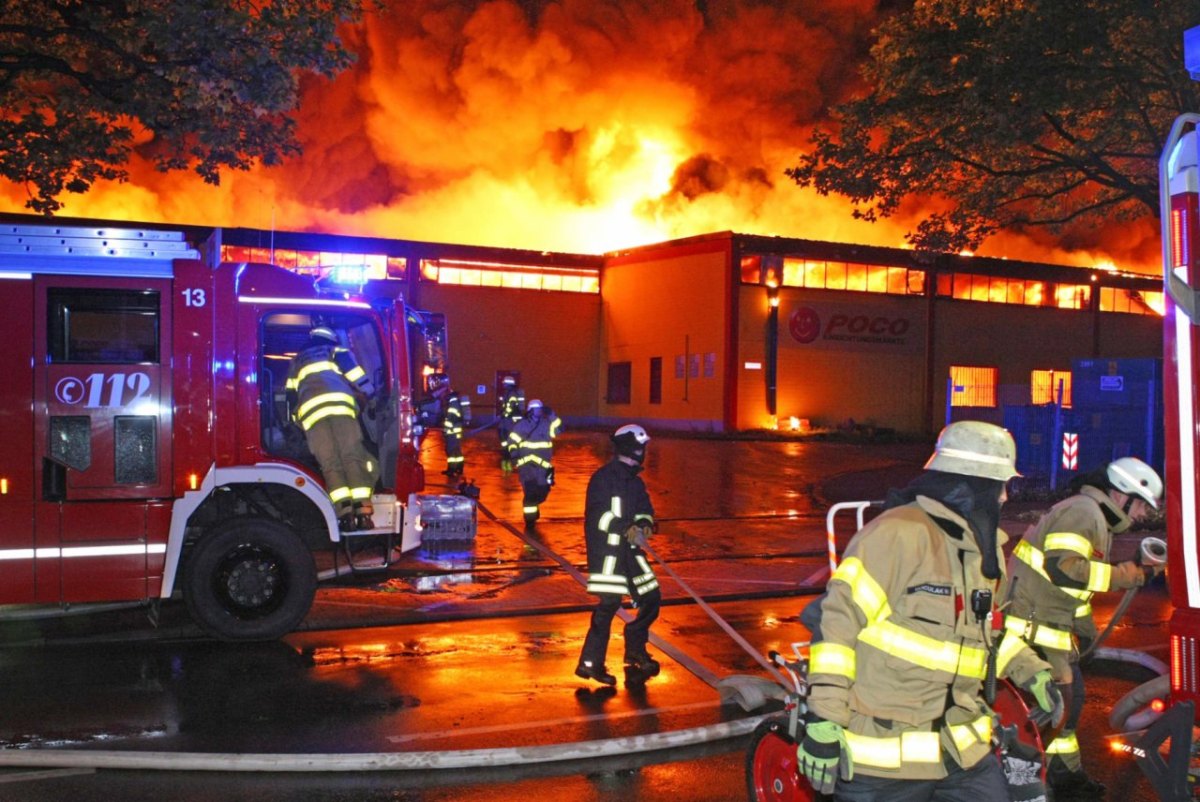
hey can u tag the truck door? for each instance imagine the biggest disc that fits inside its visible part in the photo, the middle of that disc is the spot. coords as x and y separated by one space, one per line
102 422
16 433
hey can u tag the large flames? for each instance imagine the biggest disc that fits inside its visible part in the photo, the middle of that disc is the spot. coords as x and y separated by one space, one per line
572 125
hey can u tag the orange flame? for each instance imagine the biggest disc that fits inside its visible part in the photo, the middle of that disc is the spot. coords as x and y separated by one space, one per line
581 126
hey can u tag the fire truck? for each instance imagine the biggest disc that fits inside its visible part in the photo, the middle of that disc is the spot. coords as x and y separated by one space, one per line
1164 749
149 452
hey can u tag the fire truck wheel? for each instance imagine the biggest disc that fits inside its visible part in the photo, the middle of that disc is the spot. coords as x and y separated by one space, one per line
772 770
249 579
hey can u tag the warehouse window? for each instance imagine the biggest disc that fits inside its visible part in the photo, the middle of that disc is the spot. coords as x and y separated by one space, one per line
1131 301
1044 386
972 386
516 277
656 380
820 274
1025 292
619 383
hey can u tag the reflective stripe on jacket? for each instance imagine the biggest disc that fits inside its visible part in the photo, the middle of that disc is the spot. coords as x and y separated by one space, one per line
1057 567
320 378
616 500
532 443
901 659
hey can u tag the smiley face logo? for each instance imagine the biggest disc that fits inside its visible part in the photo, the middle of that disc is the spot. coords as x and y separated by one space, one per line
804 324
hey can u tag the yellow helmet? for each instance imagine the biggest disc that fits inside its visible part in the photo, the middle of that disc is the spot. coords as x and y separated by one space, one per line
975 448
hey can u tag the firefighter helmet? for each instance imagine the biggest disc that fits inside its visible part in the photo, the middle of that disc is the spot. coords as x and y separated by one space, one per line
532 405
323 333
1133 477
509 381
975 448
630 441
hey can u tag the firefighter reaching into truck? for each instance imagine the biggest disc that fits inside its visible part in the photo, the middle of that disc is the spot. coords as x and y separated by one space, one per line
1061 562
902 639
325 384
618 517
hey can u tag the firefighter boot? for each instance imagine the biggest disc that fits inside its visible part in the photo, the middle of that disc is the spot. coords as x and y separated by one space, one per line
589 670
639 669
364 518
1074 785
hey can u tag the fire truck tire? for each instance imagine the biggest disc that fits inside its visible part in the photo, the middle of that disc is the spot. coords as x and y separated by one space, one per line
772 769
249 579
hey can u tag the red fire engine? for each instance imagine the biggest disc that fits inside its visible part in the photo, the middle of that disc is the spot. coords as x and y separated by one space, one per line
148 448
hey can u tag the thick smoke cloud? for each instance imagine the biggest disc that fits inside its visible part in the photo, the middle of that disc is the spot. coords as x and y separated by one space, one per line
574 125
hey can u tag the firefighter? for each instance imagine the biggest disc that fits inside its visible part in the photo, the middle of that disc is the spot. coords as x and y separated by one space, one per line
530 450
510 409
1063 560
458 414
324 385
902 639
618 517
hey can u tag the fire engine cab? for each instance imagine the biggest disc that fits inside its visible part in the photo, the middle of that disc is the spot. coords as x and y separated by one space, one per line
149 451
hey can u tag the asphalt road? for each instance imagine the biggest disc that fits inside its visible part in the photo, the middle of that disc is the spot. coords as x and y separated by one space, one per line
468 648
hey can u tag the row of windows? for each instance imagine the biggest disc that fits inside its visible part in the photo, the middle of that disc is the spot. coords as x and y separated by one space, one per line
975 386
824 275
318 263
619 387
522 277
442 271
774 271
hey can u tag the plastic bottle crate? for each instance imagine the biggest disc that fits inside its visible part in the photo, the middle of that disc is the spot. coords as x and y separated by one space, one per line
447 517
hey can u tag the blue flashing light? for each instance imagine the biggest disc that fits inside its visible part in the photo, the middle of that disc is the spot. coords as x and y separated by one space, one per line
1191 52
347 276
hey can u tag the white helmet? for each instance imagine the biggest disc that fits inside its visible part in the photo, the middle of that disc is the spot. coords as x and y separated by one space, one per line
1133 477
630 441
509 381
323 333
975 448
532 405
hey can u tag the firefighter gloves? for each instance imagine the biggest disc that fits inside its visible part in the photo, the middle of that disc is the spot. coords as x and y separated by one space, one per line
1049 699
636 535
822 753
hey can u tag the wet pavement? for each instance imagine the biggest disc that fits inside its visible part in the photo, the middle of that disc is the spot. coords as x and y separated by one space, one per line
470 646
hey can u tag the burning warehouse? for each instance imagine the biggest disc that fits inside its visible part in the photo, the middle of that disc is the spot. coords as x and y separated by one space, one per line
728 332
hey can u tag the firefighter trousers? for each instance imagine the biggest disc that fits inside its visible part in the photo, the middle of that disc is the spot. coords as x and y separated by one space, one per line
983 782
348 468
454 453
637 631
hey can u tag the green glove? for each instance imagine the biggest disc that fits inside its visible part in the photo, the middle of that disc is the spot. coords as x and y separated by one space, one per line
821 754
1048 698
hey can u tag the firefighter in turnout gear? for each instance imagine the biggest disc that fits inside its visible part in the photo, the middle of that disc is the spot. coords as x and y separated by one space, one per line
457 414
531 449
617 519
510 409
1061 562
903 643
324 386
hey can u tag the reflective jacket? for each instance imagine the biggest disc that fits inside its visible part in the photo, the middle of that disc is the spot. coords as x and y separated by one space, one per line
1057 567
532 442
900 659
458 412
512 404
322 379
616 500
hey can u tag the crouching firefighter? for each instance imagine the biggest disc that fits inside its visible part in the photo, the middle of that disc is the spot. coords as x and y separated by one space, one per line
323 386
618 518
904 642
1061 562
